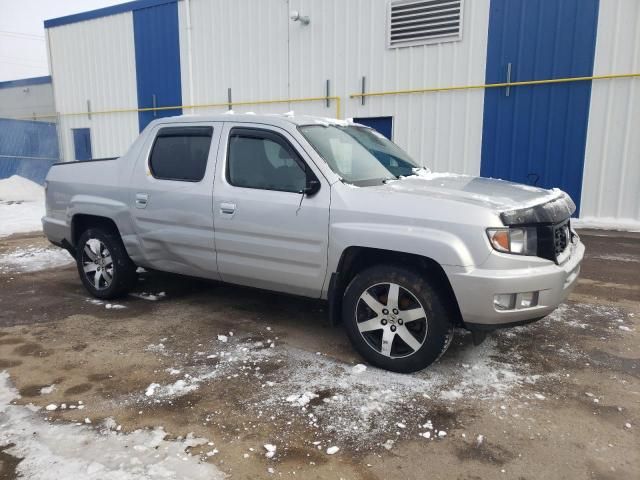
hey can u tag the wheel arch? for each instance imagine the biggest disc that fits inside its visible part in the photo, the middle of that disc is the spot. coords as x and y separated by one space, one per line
80 222
354 259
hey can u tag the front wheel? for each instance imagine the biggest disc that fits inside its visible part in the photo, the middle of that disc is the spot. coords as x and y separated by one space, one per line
104 267
395 319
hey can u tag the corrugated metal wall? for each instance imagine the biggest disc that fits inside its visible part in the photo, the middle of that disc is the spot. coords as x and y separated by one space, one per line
346 40
157 46
240 44
611 186
26 101
27 148
250 46
536 134
95 60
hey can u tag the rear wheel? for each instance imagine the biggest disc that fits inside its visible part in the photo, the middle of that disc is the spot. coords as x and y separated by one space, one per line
104 267
395 319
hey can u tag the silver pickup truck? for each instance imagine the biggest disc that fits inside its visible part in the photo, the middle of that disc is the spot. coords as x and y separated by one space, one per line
320 208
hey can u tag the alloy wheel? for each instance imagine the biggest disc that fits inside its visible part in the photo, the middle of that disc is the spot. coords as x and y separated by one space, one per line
391 320
97 264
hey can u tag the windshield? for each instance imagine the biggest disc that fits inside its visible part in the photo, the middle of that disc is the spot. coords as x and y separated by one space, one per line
360 155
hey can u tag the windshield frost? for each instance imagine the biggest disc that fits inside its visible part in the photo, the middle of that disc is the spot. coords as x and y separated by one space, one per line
359 155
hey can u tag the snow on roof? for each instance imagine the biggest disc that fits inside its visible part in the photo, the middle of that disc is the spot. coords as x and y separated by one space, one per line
270 118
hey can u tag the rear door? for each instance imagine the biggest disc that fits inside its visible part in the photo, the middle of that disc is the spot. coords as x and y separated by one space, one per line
268 235
170 198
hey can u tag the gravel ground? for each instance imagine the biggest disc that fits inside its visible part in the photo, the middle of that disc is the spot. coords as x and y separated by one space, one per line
257 385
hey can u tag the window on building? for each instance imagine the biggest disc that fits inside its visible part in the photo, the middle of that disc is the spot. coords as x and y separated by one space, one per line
180 153
419 22
264 160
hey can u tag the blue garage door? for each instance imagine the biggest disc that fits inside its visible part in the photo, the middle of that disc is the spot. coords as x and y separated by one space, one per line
384 125
537 134
157 60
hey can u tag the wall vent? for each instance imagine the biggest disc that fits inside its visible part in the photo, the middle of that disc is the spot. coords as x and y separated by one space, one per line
418 22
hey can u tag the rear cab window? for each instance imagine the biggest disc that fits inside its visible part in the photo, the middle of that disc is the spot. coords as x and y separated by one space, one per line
180 153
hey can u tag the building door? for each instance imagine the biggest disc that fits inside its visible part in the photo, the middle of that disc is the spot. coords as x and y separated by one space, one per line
537 134
82 143
157 49
383 125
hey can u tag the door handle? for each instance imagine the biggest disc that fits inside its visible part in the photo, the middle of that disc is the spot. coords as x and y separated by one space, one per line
227 208
141 200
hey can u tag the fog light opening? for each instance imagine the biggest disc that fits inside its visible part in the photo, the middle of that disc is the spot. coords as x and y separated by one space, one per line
527 300
515 301
504 301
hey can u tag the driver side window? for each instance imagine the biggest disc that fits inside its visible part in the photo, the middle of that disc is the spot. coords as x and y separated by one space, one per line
264 160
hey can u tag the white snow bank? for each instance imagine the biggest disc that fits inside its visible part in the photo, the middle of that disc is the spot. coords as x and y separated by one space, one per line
21 217
20 189
80 452
21 206
33 259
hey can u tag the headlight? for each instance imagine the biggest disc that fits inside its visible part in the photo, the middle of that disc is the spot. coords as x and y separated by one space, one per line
519 240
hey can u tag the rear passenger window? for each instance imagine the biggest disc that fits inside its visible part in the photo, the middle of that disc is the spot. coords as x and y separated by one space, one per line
180 153
264 160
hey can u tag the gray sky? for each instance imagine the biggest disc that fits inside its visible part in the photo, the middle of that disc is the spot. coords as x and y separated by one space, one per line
23 52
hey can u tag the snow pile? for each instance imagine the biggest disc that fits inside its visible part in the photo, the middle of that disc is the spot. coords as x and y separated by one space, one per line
19 189
33 259
79 452
21 206
301 399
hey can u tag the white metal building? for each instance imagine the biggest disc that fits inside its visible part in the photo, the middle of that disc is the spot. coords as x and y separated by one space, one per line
202 56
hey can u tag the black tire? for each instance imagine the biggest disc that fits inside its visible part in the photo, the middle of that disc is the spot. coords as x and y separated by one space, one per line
435 329
122 272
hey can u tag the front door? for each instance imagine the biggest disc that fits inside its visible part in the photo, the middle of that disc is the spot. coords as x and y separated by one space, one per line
268 235
537 134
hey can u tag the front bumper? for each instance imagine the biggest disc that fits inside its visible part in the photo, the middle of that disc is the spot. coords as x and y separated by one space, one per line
476 287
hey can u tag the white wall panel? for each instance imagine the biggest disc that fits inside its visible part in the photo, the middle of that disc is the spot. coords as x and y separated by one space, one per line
95 60
251 46
240 44
611 185
346 40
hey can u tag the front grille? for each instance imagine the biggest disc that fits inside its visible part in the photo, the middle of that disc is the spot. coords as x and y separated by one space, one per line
554 240
561 238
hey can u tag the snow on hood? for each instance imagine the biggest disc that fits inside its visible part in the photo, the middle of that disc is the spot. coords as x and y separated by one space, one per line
499 195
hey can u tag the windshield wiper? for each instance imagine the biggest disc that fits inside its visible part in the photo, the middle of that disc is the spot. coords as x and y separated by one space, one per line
386 180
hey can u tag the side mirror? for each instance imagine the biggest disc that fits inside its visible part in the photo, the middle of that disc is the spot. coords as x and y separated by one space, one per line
312 187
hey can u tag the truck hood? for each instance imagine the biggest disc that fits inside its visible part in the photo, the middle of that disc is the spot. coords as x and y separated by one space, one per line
516 203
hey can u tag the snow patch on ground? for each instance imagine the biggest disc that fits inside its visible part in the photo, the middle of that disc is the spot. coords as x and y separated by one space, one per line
618 258
33 259
604 223
21 206
152 297
346 402
80 452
